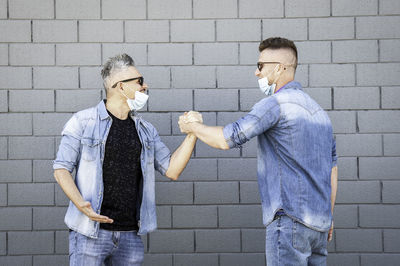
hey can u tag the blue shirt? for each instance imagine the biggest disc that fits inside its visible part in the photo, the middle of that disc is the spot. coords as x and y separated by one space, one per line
82 148
296 152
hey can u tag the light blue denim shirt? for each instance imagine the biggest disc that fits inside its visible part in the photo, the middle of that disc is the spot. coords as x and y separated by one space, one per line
296 152
82 148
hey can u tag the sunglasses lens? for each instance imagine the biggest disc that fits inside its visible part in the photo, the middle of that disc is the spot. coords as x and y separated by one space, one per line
141 81
259 66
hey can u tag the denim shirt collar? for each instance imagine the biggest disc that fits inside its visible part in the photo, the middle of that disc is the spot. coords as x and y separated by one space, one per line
102 109
290 85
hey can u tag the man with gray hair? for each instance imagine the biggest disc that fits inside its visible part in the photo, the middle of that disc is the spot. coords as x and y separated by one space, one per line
114 152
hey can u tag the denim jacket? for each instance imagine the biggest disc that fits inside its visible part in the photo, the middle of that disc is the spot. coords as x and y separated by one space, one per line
296 152
82 148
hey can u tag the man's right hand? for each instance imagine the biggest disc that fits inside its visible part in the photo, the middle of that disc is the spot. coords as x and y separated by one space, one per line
86 208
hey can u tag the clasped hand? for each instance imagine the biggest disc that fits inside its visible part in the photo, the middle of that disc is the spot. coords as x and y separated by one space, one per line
187 119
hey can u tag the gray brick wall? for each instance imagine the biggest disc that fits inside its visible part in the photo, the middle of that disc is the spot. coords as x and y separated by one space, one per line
200 54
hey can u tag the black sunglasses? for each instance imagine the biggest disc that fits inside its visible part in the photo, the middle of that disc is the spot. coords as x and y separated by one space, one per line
141 81
261 64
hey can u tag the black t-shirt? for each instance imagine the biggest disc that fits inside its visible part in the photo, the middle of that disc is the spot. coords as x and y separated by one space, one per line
122 175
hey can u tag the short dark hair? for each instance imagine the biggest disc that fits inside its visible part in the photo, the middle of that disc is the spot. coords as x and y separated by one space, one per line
278 43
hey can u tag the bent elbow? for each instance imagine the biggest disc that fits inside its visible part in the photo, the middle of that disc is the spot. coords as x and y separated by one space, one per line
172 176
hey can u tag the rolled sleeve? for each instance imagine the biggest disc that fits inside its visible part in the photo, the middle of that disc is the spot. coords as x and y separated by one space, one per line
162 154
334 155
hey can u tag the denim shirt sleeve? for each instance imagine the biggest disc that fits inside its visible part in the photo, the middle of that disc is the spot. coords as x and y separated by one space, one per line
68 151
264 115
162 155
334 156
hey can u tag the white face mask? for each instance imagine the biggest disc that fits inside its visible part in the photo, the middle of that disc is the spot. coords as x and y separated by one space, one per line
139 102
265 87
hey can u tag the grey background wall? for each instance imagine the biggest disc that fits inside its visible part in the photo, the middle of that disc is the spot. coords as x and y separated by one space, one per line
200 55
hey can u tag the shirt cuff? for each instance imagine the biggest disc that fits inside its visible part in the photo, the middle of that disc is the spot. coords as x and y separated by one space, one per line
228 132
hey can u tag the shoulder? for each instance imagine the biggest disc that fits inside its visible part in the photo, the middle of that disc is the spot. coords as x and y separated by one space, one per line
78 122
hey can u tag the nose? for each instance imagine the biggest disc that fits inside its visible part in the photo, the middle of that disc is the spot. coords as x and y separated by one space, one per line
257 73
145 86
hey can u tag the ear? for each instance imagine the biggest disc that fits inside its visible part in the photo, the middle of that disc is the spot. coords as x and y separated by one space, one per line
281 68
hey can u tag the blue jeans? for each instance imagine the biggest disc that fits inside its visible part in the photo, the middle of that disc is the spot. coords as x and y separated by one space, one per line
111 248
291 243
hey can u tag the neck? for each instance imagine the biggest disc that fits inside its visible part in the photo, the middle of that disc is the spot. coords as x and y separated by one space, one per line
118 107
282 83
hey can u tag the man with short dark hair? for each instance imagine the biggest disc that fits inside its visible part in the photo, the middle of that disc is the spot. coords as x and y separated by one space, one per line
297 173
115 153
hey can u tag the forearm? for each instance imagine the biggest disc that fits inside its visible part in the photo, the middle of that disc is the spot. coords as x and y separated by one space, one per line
212 136
66 182
180 157
334 182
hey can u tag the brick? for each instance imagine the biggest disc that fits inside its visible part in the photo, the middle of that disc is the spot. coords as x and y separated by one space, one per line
90 78
210 99
3 101
358 192
389 7
196 259
293 29
391 145
216 54
55 78
193 77
237 169
253 240
203 150
343 121
216 192
332 75
236 77
61 245
345 216
43 171
30 194
314 52
165 241
249 97
200 170
194 216
356 145
137 51
354 7
16 260
347 168
78 54
388 50
215 9
60 197
123 9
3 244
387 121
76 100
170 54
227 240
360 240
302 75
390 192
4 54
383 74
343 259
16 218
147 31
382 216
15 171
3 147
356 98
15 77
249 192
321 95
170 100
31 147
242 259
49 218
304 8
3 9
172 142
377 27
331 28
30 243
15 31
31 101
355 51
157 259
251 8
164 217
238 30
380 259
54 31
50 260
192 31
161 121
3 194
15 124
169 9
238 216
100 31
248 53
156 77
225 118
371 168
391 240
34 9
75 9
174 193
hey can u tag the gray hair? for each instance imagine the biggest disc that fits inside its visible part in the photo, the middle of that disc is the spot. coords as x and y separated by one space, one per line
116 63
